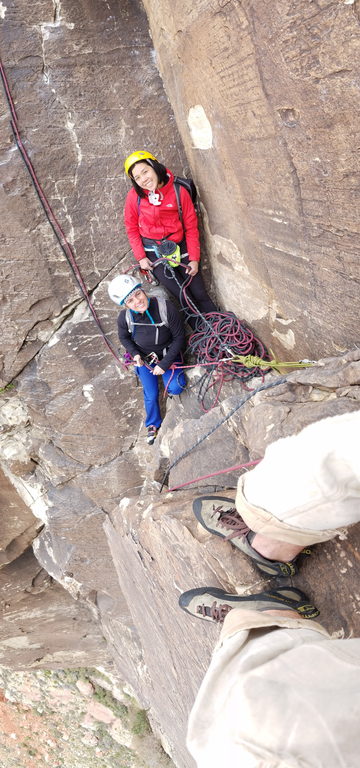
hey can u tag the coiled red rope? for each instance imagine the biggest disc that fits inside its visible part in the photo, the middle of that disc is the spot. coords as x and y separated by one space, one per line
218 337
213 344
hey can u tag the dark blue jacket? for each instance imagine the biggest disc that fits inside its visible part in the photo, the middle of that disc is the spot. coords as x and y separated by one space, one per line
142 342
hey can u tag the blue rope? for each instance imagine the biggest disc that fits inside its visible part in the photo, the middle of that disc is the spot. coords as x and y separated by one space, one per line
268 385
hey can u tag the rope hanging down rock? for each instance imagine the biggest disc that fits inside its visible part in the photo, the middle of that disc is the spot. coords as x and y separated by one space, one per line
222 421
50 215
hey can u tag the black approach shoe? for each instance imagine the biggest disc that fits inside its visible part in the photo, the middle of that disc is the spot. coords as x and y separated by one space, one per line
151 435
214 604
218 515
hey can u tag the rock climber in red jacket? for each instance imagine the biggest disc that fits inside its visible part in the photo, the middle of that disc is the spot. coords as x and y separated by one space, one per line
152 217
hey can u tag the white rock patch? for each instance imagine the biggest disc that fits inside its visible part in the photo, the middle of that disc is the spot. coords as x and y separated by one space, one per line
200 128
87 391
287 339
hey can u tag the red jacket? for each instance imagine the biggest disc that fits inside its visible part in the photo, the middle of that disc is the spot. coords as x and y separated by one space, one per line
159 221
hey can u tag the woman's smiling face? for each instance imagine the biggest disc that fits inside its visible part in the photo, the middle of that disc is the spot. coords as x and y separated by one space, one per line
138 301
145 176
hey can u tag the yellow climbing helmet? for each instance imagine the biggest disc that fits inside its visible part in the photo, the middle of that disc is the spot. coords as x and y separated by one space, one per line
136 157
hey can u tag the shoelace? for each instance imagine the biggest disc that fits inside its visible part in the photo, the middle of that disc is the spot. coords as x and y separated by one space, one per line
230 519
215 611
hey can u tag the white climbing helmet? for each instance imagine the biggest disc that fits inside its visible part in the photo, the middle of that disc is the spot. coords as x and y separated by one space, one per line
121 286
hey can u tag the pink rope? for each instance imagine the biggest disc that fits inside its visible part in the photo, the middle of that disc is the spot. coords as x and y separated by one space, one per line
214 474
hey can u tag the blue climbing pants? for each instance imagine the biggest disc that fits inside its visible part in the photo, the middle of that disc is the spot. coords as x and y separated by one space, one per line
151 390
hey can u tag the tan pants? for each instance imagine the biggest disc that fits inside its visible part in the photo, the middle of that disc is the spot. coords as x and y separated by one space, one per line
279 692
308 485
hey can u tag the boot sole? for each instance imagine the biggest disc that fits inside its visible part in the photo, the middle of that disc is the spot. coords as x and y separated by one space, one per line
281 599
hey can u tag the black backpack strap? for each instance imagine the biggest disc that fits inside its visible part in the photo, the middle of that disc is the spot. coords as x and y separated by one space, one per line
178 200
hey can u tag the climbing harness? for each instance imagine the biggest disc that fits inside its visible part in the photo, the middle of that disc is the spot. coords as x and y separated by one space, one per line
152 358
166 250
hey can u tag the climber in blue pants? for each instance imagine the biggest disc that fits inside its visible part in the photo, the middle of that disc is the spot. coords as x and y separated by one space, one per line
175 383
152 332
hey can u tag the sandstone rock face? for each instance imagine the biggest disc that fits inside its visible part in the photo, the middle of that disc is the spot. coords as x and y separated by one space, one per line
87 93
265 96
18 526
160 550
41 625
111 554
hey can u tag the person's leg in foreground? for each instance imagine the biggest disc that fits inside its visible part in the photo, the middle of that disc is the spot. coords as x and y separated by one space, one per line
304 490
279 691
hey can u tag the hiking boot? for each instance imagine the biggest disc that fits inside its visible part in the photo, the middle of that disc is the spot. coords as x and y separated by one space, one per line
214 604
151 434
218 515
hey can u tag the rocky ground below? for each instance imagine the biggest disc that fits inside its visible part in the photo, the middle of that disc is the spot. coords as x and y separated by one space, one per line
73 719
114 554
